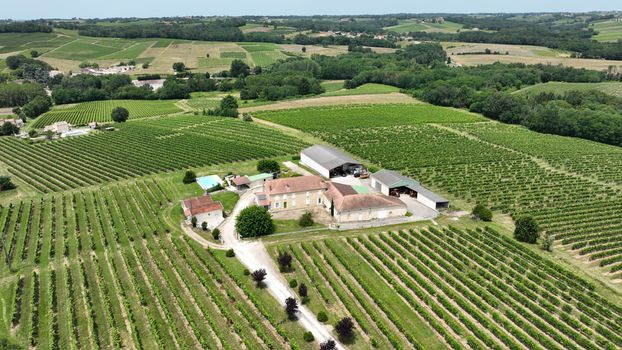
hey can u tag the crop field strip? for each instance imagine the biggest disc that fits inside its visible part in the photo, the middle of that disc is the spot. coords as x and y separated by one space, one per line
572 187
99 111
494 295
100 269
140 148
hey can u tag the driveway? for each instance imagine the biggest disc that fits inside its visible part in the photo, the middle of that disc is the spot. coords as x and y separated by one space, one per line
297 169
254 256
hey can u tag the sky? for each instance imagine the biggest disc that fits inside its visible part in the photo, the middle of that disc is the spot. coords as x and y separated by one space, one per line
30 9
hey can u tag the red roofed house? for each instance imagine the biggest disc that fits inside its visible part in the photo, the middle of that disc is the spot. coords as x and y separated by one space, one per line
350 205
292 193
205 210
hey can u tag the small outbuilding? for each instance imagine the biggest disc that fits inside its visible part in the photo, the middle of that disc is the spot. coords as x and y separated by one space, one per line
392 183
255 181
329 162
205 209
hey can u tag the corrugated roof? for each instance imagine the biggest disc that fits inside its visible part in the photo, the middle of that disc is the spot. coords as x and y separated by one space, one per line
428 194
328 157
261 176
394 179
294 185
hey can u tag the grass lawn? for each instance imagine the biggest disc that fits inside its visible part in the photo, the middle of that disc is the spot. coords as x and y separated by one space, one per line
332 85
228 199
284 226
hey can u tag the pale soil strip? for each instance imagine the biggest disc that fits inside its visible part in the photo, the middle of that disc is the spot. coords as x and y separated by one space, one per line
394 97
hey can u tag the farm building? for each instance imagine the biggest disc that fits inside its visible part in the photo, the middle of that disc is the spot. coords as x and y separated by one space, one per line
15 121
204 209
349 205
292 193
328 161
241 182
388 181
255 181
58 127
392 183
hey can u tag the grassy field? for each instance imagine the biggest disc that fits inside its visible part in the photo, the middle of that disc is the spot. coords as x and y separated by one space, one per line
141 147
336 89
321 119
228 199
413 25
610 30
285 226
612 88
520 54
99 111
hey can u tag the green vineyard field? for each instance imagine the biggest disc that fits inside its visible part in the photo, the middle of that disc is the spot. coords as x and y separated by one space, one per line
573 187
99 111
466 289
140 148
103 270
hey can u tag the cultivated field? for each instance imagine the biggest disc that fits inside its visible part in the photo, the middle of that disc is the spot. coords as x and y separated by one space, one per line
99 111
139 148
107 269
610 30
336 89
440 288
612 88
573 187
455 48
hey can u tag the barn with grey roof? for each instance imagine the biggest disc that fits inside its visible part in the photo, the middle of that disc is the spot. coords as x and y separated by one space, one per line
392 183
328 161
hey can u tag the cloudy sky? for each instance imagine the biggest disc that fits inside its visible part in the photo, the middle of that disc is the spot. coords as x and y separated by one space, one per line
28 9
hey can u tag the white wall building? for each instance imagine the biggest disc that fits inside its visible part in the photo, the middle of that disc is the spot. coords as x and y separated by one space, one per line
205 210
390 182
328 161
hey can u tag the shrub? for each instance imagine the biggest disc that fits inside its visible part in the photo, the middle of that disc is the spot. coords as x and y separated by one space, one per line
259 275
308 337
230 253
322 317
481 212
546 242
302 291
247 118
246 272
254 221
194 221
527 229
345 328
328 345
306 220
268 166
6 183
120 114
216 234
204 226
291 307
285 261
293 283
190 177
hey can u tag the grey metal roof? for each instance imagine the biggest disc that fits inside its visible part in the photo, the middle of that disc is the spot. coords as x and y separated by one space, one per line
393 179
428 194
328 157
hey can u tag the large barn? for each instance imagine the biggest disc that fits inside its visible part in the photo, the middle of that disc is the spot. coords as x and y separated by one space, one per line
392 183
328 161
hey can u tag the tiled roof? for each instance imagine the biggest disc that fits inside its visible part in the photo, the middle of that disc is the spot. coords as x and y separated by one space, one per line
200 205
346 198
294 185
